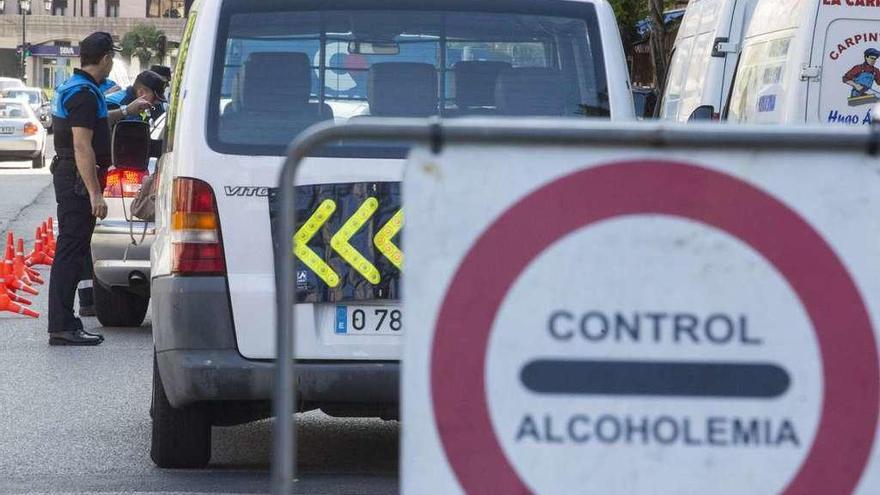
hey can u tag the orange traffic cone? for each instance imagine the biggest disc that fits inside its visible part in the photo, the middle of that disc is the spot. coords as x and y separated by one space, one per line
13 283
9 257
44 235
20 270
8 305
51 231
38 256
15 298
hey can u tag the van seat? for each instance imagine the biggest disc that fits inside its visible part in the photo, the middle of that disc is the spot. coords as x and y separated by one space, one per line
403 89
534 91
475 86
271 97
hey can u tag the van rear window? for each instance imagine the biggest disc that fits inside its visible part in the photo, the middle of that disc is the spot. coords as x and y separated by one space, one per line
279 71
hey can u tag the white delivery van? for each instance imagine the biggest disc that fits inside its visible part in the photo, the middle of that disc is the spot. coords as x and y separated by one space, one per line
812 61
251 76
704 57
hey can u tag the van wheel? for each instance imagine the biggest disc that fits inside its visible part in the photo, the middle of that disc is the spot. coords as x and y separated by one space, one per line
181 436
39 161
115 307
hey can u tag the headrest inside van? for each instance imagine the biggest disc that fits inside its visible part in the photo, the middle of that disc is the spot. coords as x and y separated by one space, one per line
403 89
530 91
475 82
274 82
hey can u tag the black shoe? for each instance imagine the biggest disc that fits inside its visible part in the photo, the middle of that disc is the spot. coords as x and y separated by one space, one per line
87 310
74 337
93 334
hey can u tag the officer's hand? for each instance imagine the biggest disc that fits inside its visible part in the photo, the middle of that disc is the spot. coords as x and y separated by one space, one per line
99 206
138 106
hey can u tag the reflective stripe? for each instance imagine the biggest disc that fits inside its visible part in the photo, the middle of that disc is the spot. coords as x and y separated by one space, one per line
352 256
383 240
306 233
85 284
340 242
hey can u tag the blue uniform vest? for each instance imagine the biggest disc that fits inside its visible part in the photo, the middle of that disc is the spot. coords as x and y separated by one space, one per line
106 85
63 136
70 88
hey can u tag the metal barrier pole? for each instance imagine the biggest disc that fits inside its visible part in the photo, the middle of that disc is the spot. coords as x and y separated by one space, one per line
487 131
284 462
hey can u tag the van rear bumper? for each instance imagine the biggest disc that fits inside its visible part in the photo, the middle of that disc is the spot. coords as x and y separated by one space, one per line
199 362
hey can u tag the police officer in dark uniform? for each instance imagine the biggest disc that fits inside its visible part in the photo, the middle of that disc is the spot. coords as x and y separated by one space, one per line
82 144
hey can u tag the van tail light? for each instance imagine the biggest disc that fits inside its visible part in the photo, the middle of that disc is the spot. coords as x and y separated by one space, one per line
195 230
124 182
30 129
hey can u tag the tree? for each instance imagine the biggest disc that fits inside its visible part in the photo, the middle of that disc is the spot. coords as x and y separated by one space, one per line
658 42
629 13
142 42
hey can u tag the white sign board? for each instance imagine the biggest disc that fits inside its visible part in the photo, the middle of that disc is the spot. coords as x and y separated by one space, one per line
617 321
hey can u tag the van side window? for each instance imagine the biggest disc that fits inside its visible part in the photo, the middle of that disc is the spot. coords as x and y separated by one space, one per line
759 90
677 71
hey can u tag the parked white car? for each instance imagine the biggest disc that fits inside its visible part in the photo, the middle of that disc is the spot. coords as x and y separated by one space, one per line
121 242
37 99
22 137
808 61
252 75
10 82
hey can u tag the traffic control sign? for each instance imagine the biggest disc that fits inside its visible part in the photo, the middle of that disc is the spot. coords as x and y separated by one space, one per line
639 326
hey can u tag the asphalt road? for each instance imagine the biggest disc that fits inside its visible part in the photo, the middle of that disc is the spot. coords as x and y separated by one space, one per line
76 420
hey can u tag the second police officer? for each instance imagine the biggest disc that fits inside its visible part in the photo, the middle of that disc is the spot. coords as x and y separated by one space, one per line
149 87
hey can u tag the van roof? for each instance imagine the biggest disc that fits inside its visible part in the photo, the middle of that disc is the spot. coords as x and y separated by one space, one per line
414 3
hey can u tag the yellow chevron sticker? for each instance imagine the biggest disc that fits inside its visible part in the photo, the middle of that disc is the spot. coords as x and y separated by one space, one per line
383 240
306 233
340 244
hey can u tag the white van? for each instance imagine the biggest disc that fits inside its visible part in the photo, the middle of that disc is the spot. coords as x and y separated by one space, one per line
704 57
810 61
252 76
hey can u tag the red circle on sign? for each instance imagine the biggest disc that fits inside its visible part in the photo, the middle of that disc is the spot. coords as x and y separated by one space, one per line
843 329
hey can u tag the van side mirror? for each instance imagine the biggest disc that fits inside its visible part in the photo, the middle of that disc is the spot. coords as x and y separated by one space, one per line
131 145
702 112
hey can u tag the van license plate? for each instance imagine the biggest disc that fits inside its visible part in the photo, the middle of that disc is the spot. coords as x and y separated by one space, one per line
7 130
368 320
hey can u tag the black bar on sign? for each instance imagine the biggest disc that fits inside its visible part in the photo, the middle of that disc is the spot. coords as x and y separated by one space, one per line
655 378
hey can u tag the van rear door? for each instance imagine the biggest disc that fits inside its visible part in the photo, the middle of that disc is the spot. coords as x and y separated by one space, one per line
844 80
740 15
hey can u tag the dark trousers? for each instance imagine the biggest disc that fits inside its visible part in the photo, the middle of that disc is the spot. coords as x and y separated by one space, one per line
84 289
73 250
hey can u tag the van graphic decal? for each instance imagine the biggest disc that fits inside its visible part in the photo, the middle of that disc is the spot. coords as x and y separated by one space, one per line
850 81
862 78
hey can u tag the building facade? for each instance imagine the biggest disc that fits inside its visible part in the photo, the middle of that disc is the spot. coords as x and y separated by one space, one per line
53 34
